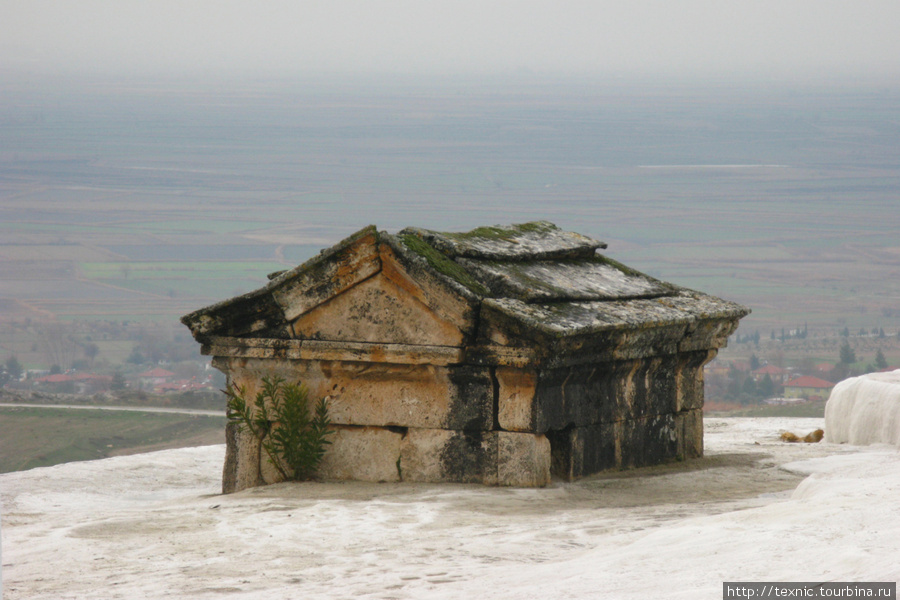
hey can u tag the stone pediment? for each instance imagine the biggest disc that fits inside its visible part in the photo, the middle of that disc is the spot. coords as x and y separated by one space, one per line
366 289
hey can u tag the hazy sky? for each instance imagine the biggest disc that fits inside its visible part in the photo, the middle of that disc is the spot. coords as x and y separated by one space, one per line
762 38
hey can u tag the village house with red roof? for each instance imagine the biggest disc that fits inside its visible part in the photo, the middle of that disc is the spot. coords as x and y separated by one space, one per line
155 377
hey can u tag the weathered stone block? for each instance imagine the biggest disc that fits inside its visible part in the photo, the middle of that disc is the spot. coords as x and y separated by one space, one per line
489 457
445 456
579 396
651 389
689 394
585 395
516 390
689 425
362 453
242 464
580 451
647 441
708 334
401 354
523 459
428 396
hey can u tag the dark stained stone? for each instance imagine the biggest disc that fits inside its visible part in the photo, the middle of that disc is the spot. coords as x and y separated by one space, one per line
465 457
473 402
580 451
647 441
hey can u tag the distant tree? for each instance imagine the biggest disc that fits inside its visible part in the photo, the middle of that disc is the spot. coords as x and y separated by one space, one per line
846 332
91 350
13 368
749 387
767 387
754 362
881 332
848 356
135 358
118 381
55 369
839 373
880 360
772 337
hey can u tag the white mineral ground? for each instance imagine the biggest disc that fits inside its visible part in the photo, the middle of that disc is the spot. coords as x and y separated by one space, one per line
754 509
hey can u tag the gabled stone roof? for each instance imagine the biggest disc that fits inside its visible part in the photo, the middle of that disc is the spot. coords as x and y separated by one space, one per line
556 281
533 283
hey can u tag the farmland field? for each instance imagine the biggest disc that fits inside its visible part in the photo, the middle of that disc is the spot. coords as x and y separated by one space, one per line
147 201
41 437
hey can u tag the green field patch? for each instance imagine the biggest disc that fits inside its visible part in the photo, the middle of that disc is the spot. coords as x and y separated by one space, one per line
802 410
41 437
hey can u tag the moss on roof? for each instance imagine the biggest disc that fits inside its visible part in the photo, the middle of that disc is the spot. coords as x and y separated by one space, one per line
538 240
443 264
508 233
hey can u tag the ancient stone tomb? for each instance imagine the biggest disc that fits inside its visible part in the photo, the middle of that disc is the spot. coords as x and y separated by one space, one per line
499 356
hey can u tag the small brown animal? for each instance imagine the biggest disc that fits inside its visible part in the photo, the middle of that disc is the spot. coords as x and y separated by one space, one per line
810 438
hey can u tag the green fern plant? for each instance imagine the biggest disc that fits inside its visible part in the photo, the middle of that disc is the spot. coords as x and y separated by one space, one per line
293 439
